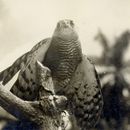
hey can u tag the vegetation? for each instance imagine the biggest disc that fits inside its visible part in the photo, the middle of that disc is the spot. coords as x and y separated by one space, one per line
115 78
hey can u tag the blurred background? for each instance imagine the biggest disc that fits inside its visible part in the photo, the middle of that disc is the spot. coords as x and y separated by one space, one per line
103 27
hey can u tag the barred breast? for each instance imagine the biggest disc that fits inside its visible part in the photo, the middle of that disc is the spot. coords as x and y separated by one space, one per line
62 58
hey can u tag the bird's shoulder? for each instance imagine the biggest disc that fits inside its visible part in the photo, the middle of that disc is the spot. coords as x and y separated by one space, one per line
37 53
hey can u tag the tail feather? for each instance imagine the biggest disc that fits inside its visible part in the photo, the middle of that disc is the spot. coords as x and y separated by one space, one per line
7 74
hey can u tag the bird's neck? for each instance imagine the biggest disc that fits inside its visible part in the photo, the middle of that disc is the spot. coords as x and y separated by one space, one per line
63 39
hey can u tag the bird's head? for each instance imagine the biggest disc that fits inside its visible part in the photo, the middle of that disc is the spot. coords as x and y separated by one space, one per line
65 30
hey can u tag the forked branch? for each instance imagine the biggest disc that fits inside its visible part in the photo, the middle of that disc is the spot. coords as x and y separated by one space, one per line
49 112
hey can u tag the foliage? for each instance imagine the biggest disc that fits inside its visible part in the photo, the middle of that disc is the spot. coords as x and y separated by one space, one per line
115 86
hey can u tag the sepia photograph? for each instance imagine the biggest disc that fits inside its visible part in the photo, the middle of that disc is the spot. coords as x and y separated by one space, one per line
65 65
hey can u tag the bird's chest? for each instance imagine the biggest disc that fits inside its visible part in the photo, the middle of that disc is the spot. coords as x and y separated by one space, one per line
62 60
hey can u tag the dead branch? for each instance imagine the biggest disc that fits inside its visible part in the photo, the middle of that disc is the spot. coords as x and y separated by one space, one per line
49 112
44 112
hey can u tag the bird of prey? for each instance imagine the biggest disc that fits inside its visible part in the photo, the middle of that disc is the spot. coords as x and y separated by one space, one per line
62 54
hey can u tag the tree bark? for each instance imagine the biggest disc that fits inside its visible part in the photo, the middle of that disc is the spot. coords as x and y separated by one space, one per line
49 112
44 113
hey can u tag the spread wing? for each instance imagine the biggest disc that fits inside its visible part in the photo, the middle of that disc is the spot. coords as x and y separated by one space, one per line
20 64
7 74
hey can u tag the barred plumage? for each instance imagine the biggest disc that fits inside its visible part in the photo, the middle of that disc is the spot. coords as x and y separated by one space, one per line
62 54
62 58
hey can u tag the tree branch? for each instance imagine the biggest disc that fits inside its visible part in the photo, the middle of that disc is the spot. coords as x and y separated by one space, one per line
37 111
50 112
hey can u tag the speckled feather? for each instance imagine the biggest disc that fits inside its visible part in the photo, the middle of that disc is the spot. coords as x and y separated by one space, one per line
62 55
